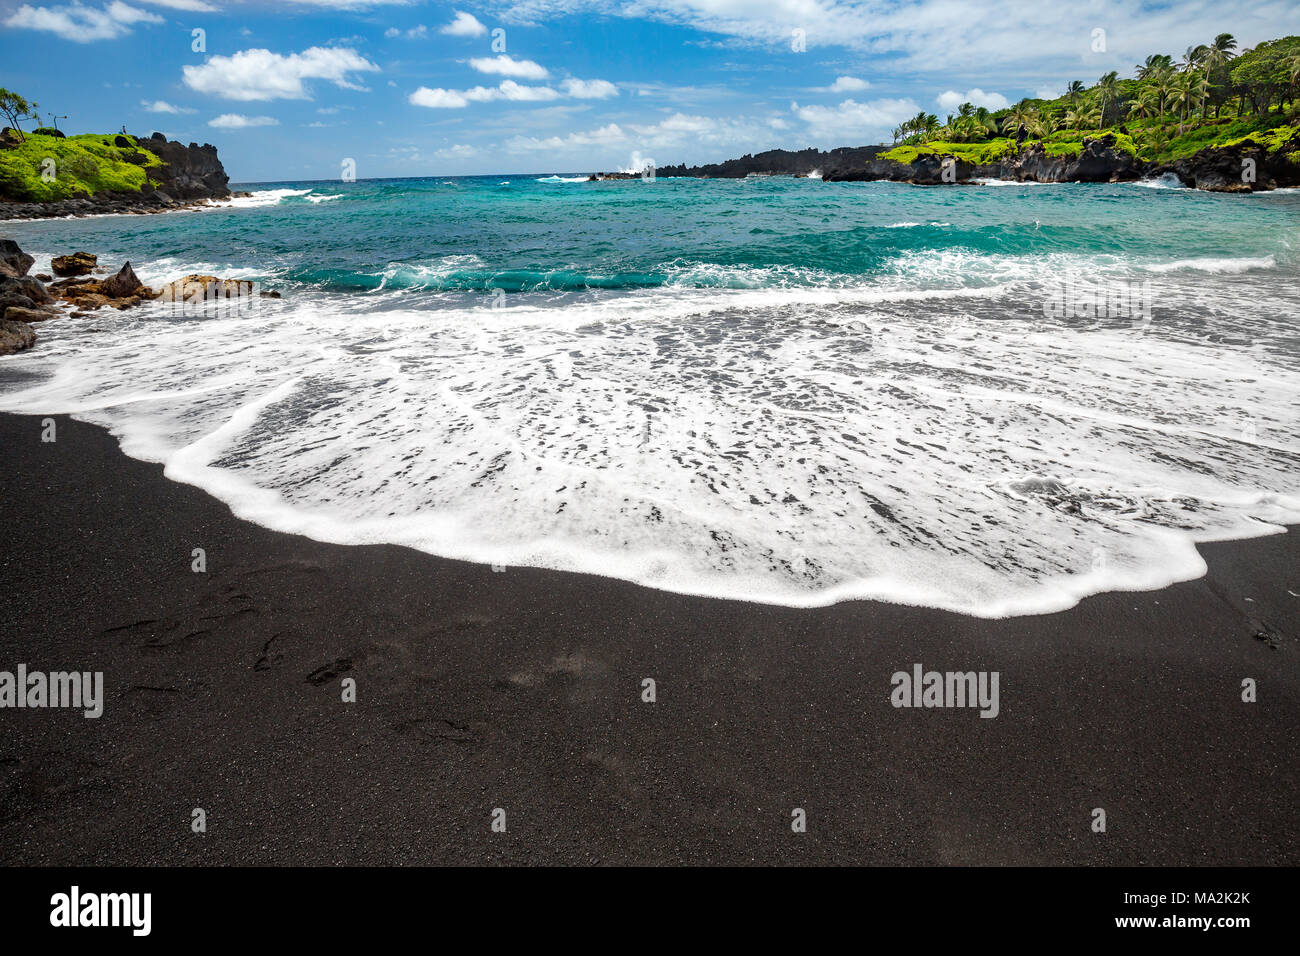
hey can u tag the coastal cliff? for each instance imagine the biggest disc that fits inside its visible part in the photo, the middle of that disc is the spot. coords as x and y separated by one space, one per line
45 176
1098 159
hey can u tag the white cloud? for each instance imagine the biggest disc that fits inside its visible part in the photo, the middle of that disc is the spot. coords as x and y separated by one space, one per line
854 121
392 32
465 25
263 75
507 66
82 24
162 106
458 151
1007 42
951 99
589 89
457 99
604 136
510 90
438 99
418 32
239 121
847 84
193 6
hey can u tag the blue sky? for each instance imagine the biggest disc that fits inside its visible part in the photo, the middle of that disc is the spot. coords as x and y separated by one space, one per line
289 90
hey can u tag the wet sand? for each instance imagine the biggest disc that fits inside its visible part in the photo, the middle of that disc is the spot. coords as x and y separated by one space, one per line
521 689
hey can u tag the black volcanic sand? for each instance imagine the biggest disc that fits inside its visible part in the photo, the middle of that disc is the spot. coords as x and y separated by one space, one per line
521 689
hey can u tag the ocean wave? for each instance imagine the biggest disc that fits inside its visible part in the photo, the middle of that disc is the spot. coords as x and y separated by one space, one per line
766 445
1227 264
265 197
1164 181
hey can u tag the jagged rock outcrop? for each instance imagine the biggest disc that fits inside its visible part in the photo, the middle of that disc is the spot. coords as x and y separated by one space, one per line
122 285
1241 168
13 261
191 172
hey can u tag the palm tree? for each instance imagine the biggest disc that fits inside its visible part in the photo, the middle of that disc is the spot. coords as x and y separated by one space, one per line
1153 64
1193 57
1219 52
1200 89
1164 86
1087 115
1182 98
1041 125
1074 91
1144 105
1107 93
1018 118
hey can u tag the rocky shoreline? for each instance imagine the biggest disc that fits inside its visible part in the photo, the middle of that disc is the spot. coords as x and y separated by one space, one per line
82 286
190 176
1215 168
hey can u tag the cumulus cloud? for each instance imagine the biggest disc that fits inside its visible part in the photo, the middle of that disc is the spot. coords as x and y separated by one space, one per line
589 89
604 136
263 75
949 100
82 24
503 65
464 25
239 121
438 99
851 120
847 84
458 99
162 106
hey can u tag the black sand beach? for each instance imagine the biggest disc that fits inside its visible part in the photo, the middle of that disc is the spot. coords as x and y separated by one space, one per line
521 689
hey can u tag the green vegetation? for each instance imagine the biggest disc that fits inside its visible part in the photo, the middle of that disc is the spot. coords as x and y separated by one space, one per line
82 166
989 151
15 109
1213 96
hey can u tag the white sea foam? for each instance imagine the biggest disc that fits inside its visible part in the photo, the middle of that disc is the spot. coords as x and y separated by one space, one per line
1229 264
1163 181
323 197
948 447
563 179
263 197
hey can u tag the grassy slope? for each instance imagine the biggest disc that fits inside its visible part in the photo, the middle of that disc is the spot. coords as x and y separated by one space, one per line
84 165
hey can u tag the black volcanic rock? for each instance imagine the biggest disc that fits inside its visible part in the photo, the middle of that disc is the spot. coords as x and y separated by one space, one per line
13 261
15 336
191 172
122 285
778 162
1222 168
